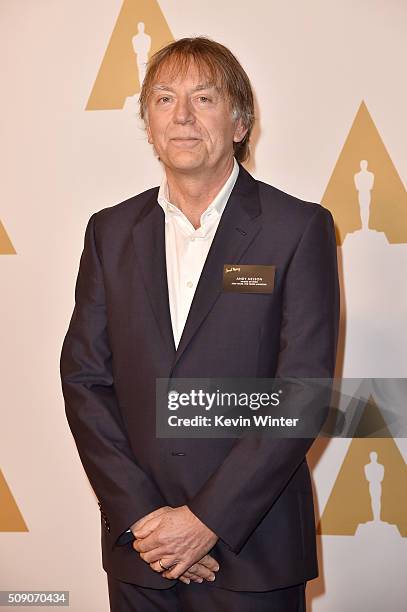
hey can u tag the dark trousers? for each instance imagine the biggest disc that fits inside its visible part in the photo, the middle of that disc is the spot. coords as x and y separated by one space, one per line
204 597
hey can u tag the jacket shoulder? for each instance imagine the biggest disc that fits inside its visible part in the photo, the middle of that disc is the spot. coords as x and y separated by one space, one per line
127 211
278 203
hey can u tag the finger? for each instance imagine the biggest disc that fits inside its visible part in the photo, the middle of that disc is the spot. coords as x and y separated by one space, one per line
176 571
157 567
184 579
156 513
191 577
210 563
203 572
147 528
148 543
157 553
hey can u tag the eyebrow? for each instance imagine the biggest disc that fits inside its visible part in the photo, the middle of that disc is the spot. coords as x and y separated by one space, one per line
200 87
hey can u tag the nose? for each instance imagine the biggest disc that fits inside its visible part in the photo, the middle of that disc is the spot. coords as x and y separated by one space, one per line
183 111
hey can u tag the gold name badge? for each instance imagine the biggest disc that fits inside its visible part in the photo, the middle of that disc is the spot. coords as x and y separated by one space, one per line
248 278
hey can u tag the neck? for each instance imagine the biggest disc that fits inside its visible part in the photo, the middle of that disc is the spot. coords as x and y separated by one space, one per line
192 193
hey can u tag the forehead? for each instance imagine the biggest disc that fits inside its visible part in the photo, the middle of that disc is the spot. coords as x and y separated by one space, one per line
187 70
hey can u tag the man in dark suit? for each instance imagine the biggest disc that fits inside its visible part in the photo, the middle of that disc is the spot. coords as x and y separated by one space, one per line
150 303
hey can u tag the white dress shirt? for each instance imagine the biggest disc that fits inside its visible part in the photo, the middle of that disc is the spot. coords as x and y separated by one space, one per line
186 248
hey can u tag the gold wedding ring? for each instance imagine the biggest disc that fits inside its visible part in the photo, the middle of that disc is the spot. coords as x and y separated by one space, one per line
163 566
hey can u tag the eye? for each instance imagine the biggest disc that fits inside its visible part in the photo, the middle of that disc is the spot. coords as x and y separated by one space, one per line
204 99
164 99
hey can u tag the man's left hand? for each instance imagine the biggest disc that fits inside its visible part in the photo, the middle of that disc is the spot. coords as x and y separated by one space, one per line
177 538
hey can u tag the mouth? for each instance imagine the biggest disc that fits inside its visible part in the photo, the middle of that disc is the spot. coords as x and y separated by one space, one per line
185 142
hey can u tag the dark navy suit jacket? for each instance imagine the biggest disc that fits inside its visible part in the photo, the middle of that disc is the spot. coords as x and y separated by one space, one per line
255 494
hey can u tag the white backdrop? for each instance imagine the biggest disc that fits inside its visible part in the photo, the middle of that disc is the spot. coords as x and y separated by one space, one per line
311 64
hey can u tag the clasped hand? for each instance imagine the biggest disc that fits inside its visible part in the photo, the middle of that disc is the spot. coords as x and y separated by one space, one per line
177 538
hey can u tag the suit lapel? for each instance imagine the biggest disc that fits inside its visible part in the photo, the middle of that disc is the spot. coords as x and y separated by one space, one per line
149 244
239 224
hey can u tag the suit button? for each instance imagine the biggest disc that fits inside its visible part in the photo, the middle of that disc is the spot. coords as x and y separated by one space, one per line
174 454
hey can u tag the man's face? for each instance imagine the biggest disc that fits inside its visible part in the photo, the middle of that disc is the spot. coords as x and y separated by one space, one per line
190 124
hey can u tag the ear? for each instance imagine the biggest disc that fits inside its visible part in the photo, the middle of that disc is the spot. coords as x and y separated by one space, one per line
147 127
148 130
240 131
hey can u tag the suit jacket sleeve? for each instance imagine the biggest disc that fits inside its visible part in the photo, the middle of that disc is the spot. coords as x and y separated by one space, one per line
124 491
243 489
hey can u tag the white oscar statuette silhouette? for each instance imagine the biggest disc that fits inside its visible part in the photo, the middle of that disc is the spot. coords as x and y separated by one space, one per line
374 474
364 181
141 46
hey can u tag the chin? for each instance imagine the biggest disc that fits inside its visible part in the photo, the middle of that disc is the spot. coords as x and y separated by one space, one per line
185 162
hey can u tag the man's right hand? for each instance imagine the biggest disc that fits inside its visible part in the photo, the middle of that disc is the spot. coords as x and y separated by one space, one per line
204 569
